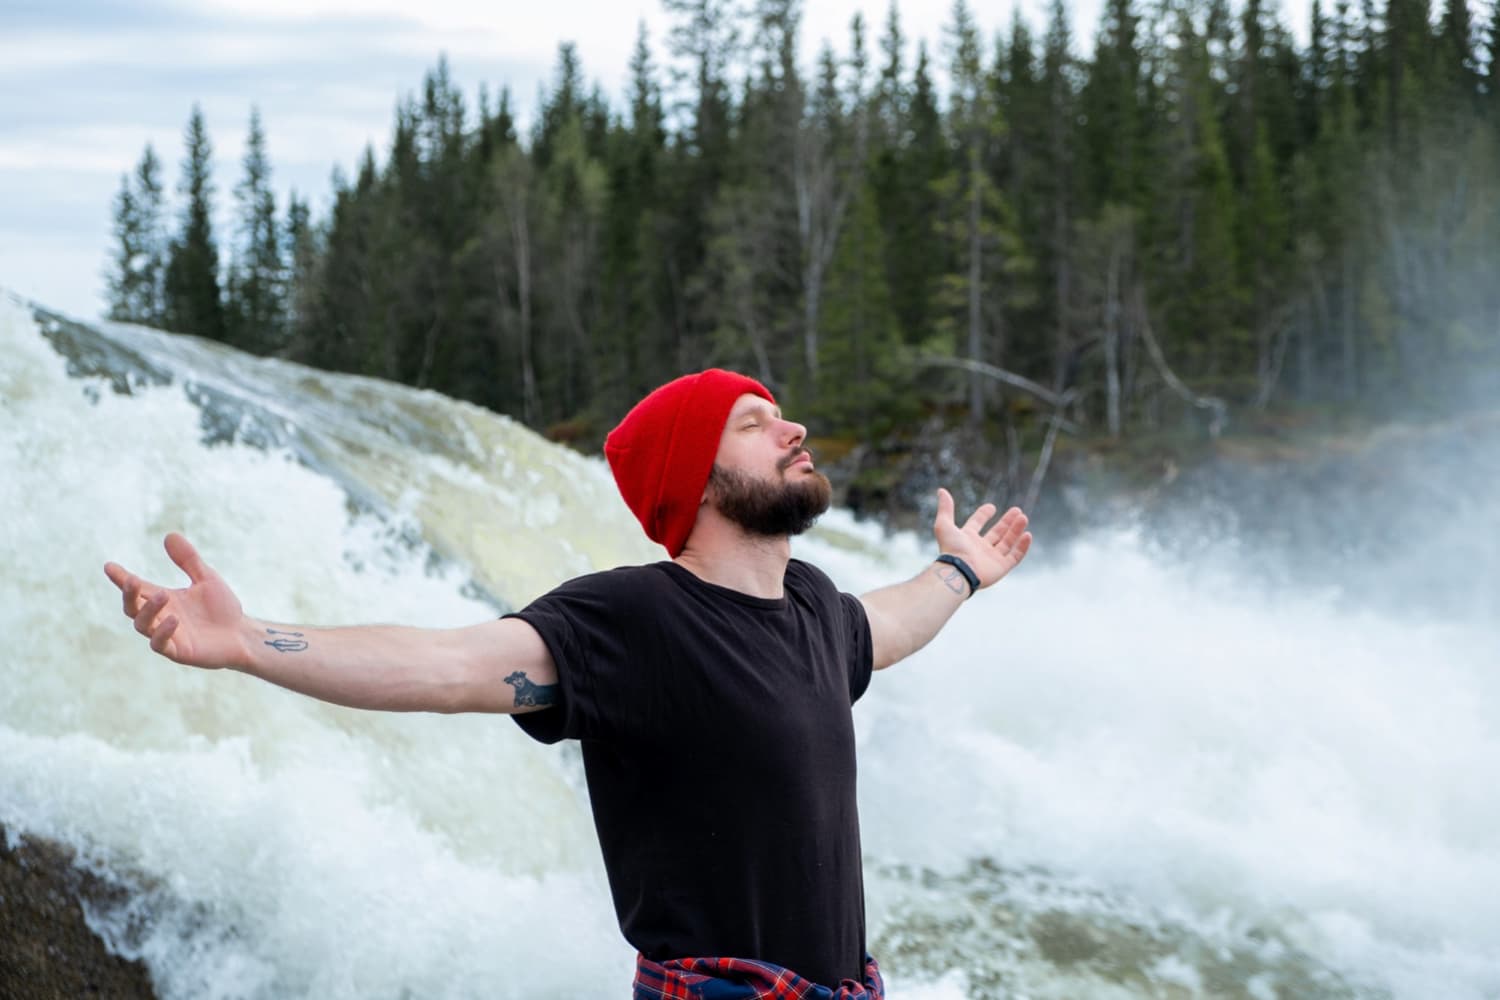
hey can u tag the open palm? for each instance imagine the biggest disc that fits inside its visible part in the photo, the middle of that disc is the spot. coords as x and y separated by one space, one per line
991 554
199 624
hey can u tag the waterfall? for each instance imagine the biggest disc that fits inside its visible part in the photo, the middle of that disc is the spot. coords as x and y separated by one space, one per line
1124 772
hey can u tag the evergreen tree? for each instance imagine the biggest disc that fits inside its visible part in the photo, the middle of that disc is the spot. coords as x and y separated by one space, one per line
1492 74
866 390
633 356
300 250
1457 68
1056 188
705 36
891 98
1199 177
1114 105
339 323
1204 321
136 282
192 301
574 184
129 252
1025 166
906 190
257 288
976 219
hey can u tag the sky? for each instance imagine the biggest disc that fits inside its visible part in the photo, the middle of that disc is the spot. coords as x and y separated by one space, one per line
86 84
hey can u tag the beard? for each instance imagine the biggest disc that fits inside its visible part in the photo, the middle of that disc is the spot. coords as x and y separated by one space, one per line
770 508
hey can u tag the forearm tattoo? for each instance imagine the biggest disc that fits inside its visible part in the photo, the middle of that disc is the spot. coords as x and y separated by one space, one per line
294 644
527 693
952 579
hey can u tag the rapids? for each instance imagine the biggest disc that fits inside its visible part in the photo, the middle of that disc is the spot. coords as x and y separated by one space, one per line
1122 773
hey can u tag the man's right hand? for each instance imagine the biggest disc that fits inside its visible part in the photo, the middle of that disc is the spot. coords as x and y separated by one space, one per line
201 625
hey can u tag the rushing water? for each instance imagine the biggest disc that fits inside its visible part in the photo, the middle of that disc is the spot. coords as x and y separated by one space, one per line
1119 774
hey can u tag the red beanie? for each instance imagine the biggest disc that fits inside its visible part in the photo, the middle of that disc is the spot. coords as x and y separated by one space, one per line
663 450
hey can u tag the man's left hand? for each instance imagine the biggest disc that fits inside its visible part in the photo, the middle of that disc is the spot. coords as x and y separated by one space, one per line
991 554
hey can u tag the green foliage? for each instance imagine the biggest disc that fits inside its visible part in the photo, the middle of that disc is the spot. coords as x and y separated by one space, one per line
191 283
257 299
137 279
1281 224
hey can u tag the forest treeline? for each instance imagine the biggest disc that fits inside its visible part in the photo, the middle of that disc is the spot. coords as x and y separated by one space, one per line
1201 219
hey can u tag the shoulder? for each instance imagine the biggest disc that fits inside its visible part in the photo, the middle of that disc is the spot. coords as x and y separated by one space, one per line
623 587
805 578
806 572
622 578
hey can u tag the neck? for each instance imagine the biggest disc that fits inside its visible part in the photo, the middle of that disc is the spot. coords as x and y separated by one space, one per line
721 553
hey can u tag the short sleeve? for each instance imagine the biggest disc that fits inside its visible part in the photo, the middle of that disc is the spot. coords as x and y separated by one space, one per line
588 625
845 613
861 645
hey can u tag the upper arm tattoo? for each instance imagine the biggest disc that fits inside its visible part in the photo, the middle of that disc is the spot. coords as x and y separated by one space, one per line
530 694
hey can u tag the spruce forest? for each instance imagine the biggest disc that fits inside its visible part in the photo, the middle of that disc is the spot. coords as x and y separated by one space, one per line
1202 224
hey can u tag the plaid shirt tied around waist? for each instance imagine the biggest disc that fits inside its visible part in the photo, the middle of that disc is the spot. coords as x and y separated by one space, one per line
743 979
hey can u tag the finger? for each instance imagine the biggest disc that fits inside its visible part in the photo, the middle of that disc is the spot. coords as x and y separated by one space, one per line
161 639
146 617
980 518
1022 546
945 507
186 557
131 595
118 575
1007 529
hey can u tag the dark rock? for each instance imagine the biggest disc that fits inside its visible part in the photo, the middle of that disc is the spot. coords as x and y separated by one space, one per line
47 949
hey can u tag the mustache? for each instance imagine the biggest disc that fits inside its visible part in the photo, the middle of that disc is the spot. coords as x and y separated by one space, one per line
796 453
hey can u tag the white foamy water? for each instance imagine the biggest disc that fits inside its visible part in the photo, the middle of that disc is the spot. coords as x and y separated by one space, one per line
1107 738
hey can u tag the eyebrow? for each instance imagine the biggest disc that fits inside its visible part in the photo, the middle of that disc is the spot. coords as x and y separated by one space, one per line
757 409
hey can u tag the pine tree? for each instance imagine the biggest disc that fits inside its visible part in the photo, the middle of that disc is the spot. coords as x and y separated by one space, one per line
193 303
135 284
1057 184
632 357
129 252
905 188
257 305
1114 106
1026 166
865 389
976 219
300 250
891 98
573 186
1457 66
705 36
1200 301
1492 74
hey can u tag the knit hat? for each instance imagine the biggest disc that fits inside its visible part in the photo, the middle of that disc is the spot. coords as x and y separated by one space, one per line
663 450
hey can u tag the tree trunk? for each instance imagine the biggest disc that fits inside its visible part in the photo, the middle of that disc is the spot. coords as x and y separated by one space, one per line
1349 338
976 347
1112 341
520 233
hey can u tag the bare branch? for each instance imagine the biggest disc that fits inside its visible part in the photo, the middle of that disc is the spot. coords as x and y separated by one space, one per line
1010 378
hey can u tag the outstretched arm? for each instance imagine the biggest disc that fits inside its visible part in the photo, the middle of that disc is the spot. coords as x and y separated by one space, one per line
905 617
496 666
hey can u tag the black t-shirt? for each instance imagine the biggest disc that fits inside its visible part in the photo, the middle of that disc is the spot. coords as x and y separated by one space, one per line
718 745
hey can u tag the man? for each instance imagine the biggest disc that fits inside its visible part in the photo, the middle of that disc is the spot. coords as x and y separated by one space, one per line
711 693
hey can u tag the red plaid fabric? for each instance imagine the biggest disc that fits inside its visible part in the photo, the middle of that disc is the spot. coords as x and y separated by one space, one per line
743 979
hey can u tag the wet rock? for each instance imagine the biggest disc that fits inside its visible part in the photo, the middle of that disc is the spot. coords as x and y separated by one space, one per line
47 949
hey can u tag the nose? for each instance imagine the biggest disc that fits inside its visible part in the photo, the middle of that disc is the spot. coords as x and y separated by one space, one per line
794 432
